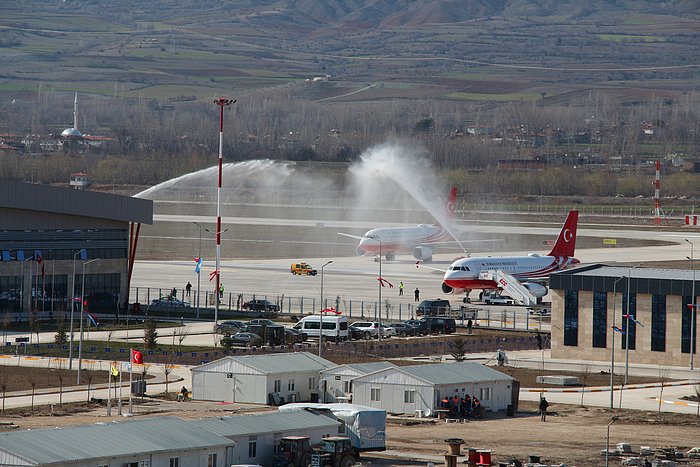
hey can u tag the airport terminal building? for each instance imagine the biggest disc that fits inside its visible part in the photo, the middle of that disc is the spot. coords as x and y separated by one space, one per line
591 303
52 238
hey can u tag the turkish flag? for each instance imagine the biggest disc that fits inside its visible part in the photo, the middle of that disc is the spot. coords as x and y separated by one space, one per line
136 357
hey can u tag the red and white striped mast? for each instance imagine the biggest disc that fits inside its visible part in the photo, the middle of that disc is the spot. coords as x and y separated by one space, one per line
221 102
657 187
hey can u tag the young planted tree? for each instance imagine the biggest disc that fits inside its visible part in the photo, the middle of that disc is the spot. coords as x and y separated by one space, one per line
459 346
61 336
663 376
167 369
88 377
32 383
150 334
586 371
3 388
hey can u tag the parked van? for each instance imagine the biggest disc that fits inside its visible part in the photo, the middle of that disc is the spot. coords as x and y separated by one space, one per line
302 269
334 327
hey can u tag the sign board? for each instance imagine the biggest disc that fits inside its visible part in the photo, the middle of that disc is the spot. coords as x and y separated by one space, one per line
21 339
548 242
229 375
609 241
315 460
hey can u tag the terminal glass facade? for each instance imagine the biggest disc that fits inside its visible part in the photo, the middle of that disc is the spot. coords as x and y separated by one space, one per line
628 326
658 323
686 316
571 318
600 319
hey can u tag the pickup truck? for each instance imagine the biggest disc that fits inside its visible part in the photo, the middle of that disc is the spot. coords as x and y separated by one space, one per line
498 300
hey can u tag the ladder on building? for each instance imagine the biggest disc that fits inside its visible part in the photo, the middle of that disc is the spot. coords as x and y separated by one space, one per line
510 285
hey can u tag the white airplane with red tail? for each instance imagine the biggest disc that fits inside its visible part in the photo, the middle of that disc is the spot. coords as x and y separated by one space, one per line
517 275
419 240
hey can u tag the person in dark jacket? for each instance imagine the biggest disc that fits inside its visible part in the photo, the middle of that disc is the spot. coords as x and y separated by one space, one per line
543 409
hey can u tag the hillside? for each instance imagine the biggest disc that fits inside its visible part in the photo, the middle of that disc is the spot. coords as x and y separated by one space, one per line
185 49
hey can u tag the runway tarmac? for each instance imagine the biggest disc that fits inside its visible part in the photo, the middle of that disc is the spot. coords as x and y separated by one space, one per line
355 278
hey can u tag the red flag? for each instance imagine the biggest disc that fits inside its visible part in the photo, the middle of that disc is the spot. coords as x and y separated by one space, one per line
212 275
136 357
385 282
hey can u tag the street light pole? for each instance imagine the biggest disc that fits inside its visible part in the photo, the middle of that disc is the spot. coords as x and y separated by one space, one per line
607 440
199 270
82 311
72 307
221 102
693 307
379 280
320 324
612 346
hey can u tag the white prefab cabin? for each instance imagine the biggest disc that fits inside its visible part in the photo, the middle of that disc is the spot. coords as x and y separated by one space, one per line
256 435
408 389
260 379
156 442
336 382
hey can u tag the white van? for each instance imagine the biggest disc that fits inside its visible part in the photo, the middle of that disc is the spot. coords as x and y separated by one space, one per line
334 327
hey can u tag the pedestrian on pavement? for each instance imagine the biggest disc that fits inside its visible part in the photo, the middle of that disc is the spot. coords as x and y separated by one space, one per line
543 409
188 288
469 326
538 337
416 294
221 291
173 294
400 288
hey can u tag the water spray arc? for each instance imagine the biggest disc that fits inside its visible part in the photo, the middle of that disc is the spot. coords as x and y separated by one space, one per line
221 102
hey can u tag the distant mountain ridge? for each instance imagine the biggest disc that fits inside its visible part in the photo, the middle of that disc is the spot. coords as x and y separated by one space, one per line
310 15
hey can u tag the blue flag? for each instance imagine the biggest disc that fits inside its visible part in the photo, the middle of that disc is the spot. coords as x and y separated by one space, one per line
199 265
616 329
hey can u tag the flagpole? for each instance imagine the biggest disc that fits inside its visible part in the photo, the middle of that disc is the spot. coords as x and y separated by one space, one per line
119 397
109 392
131 372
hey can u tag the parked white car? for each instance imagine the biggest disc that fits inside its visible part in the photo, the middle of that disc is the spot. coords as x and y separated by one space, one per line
368 328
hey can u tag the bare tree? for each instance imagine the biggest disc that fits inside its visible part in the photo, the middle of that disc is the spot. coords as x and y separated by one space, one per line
663 376
3 388
586 371
167 369
88 377
32 383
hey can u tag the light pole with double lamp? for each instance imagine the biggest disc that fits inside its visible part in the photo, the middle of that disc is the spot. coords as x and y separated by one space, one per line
692 306
72 307
320 320
82 316
612 346
627 328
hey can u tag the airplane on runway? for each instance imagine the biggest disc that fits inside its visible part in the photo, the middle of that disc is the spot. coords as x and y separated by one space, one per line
514 272
419 240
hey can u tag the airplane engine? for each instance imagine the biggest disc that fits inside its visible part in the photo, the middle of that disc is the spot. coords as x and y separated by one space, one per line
449 290
538 290
423 253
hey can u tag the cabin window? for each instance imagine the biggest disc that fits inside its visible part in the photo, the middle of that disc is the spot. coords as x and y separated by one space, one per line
252 447
290 385
312 383
278 385
212 460
375 395
409 397
174 462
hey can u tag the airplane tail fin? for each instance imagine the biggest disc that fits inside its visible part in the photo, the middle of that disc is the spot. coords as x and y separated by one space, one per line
566 242
451 201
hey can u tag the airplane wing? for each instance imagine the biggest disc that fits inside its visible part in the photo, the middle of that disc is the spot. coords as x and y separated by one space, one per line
419 265
463 242
356 237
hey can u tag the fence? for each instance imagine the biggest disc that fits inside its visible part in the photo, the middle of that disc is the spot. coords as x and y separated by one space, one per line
232 305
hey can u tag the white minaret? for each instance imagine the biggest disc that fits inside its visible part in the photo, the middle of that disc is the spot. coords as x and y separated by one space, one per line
75 111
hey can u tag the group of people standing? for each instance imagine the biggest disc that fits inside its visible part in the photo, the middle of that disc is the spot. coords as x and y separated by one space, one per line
465 406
